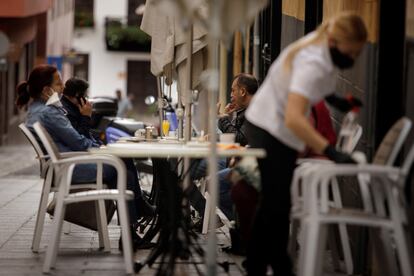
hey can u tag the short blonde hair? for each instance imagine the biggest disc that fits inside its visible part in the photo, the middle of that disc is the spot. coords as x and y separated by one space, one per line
344 27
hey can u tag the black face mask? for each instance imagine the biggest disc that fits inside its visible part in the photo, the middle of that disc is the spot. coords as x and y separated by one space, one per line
340 60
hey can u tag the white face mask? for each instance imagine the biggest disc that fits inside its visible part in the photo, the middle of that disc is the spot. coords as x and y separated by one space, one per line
54 100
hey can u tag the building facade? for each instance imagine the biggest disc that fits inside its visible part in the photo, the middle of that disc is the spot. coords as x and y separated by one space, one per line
36 30
106 68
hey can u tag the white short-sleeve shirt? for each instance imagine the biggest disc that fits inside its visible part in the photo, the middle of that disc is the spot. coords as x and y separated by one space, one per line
312 75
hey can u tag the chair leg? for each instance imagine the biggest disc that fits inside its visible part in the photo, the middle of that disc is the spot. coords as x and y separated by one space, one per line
311 253
343 232
206 217
101 221
403 251
52 248
41 212
383 253
126 236
66 227
294 229
202 187
333 246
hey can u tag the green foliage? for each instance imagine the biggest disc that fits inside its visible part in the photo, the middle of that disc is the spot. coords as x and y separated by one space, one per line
118 36
84 19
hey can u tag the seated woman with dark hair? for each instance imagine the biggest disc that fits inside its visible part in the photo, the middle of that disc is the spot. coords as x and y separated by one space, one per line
41 89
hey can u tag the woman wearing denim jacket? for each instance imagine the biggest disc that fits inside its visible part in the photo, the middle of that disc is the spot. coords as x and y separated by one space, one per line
40 93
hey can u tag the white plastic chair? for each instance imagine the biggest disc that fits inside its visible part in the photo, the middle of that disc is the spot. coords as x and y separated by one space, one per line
388 212
349 133
386 155
63 169
348 138
46 173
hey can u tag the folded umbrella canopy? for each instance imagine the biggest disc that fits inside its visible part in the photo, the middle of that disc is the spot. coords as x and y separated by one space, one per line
163 20
168 49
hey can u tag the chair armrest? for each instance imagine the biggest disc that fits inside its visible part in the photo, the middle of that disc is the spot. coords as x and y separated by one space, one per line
331 170
73 153
67 154
300 161
67 165
322 176
89 159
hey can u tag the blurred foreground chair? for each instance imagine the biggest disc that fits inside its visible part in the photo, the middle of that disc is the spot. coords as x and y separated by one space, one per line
63 170
381 188
386 155
348 138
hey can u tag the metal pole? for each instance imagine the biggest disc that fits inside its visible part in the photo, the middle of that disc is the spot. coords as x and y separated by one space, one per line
213 86
188 101
212 160
223 76
188 95
247 49
160 102
256 47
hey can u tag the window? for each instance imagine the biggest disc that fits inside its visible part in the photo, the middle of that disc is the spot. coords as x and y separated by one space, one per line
133 18
84 13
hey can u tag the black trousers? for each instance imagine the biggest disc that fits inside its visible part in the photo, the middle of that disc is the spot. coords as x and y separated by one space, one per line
270 233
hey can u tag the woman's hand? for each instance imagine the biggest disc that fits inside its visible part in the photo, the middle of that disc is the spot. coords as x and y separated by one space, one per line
337 156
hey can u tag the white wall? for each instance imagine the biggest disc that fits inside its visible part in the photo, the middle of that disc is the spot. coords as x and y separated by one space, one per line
107 69
60 31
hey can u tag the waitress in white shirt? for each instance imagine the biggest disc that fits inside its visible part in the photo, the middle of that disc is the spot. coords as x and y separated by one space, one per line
304 74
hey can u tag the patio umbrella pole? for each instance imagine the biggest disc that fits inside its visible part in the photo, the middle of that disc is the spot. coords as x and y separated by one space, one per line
180 115
160 102
256 47
188 101
213 87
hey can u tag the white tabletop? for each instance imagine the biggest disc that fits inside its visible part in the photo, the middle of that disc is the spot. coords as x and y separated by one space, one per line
161 150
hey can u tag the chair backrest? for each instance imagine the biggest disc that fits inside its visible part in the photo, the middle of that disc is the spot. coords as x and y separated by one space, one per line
36 146
393 141
349 133
408 162
47 142
348 139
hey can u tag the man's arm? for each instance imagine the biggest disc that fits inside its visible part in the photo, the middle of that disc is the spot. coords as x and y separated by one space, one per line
226 126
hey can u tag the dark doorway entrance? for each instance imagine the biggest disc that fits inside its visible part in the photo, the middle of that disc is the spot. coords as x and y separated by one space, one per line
141 83
81 70
390 86
270 34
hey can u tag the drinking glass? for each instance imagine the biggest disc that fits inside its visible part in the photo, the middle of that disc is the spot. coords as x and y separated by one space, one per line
165 127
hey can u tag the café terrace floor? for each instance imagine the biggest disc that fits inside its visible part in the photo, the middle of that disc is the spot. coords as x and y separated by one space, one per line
20 188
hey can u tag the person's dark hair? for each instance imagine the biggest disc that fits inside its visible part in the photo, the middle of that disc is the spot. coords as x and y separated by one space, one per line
40 77
118 94
248 82
75 87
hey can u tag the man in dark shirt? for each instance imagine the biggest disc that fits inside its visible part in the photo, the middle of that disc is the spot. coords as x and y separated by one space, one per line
243 88
78 109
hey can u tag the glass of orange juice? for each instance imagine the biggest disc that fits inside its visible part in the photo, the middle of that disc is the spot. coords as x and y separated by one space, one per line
165 127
